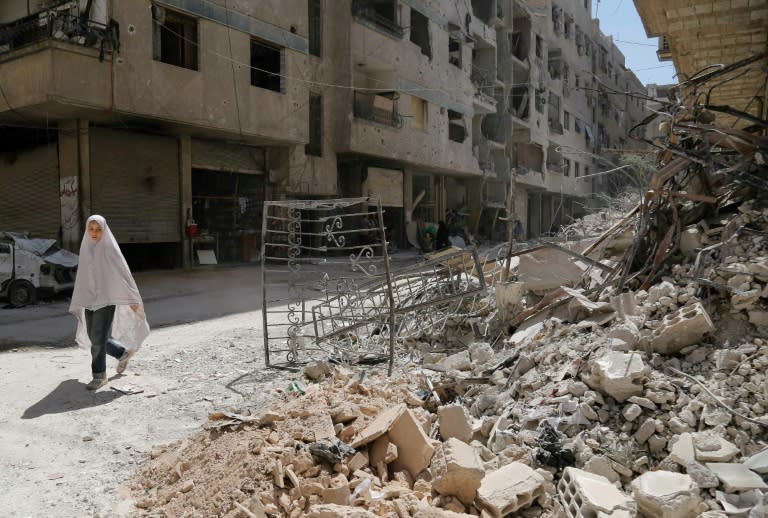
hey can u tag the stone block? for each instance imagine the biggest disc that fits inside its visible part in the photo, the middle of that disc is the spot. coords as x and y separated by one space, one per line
620 375
758 462
645 431
713 448
666 494
683 451
454 422
457 470
704 477
684 327
457 362
586 494
337 495
404 431
600 465
508 489
758 317
736 477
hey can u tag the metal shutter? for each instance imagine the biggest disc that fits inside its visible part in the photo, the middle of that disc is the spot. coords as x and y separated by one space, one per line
223 156
30 188
135 185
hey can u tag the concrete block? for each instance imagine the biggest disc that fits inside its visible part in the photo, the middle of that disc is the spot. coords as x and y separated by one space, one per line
457 362
403 430
758 462
509 298
480 353
713 448
666 494
337 495
454 422
586 495
704 477
736 477
620 375
684 327
509 488
683 451
758 317
600 465
457 470
414 447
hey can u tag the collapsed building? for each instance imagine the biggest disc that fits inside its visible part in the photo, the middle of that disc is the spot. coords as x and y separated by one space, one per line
628 378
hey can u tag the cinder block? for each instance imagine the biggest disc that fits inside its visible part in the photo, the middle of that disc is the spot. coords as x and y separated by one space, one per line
587 495
620 375
684 327
457 470
509 488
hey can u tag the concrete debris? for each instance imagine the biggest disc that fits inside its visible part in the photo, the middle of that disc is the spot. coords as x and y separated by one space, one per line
622 374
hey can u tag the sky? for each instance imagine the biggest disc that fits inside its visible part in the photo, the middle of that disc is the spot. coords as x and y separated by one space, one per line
619 18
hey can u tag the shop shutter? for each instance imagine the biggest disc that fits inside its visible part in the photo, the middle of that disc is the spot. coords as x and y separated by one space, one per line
223 156
386 184
135 185
30 181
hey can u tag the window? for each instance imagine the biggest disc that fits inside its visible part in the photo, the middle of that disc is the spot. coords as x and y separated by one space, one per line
266 66
420 32
418 113
315 146
454 51
553 115
566 120
577 125
586 171
576 170
456 129
378 107
174 38
539 47
381 14
566 167
315 27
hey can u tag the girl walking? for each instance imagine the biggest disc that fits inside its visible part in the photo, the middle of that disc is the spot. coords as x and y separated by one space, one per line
105 300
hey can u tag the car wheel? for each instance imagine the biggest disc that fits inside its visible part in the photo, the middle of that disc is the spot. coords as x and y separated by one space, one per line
21 293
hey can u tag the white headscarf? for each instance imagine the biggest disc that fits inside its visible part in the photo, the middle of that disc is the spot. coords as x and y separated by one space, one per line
104 279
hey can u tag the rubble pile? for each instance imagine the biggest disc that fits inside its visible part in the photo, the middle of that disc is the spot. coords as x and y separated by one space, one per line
623 375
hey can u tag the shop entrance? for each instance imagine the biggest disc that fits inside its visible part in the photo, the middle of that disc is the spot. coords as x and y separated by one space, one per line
227 208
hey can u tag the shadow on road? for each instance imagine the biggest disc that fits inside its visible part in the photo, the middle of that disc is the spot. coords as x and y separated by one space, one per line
69 395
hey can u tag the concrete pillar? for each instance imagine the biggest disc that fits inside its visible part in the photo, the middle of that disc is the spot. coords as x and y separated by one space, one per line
69 166
185 196
84 171
408 195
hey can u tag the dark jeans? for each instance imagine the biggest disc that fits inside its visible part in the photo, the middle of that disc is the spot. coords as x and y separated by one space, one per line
99 326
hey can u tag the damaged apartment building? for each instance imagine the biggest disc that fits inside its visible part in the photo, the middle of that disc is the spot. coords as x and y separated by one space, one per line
158 113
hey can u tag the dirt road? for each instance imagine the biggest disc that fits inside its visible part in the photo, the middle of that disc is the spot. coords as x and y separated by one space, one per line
65 451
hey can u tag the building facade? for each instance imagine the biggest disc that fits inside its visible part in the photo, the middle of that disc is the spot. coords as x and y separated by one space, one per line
156 113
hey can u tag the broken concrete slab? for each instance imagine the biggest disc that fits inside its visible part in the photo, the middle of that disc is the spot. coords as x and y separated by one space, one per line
457 470
666 494
620 375
414 448
713 448
379 426
684 327
509 488
736 477
587 494
758 462
338 511
454 421
683 452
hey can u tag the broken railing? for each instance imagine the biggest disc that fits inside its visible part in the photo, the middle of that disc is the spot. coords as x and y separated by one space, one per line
329 291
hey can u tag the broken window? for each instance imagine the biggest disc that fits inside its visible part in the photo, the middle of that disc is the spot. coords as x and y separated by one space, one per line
380 107
457 131
519 102
174 38
568 27
566 167
454 51
483 9
553 115
541 100
554 63
566 80
516 46
566 120
420 32
315 27
557 19
383 14
266 66
539 47
577 124
554 159
315 146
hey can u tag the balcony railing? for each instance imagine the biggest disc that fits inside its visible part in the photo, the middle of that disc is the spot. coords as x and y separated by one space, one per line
364 10
61 24
376 108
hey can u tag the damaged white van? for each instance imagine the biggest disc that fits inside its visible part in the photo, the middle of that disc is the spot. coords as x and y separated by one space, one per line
30 267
